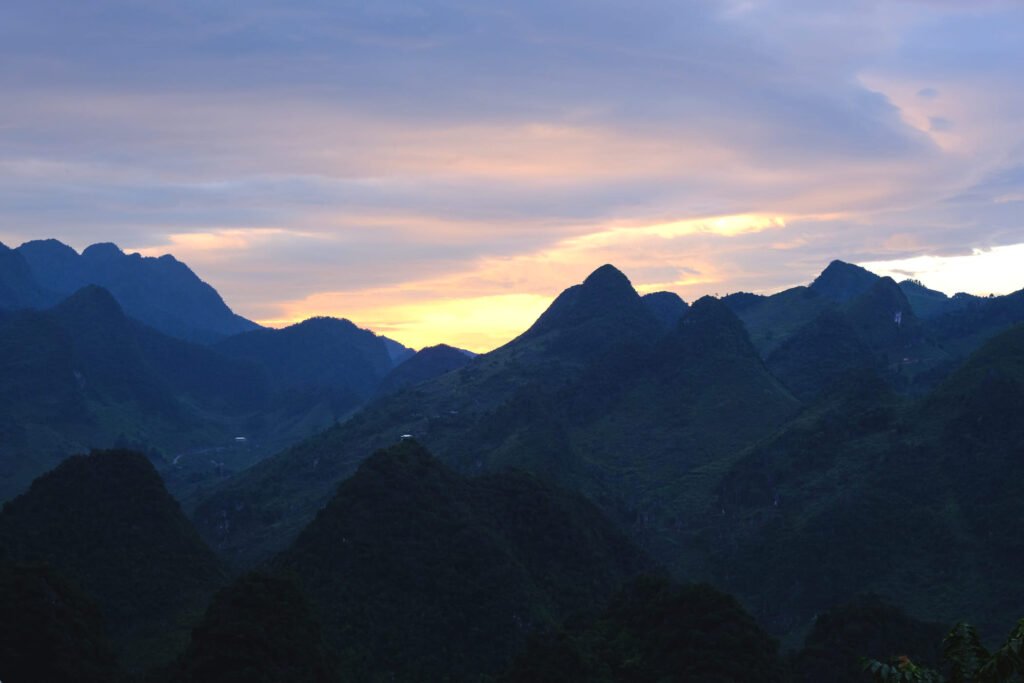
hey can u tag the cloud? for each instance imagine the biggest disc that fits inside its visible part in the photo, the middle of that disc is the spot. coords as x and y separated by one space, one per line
335 154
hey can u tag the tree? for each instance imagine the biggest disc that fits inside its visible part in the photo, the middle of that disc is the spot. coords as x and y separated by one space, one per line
967 658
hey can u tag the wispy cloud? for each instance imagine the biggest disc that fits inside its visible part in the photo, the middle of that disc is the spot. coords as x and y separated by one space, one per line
376 159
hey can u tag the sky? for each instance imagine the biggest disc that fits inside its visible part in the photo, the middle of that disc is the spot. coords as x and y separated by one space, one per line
439 170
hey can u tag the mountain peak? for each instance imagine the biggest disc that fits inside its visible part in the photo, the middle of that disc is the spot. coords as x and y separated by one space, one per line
842 281
596 313
103 250
606 277
93 300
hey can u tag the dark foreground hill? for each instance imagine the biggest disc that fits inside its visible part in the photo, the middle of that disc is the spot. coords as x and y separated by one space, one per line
595 397
419 574
106 522
655 631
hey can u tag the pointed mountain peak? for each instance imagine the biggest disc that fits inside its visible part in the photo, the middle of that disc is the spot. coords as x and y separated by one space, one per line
602 311
93 301
607 277
103 250
842 281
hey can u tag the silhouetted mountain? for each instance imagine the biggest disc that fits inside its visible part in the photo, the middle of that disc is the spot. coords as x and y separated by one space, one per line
106 522
161 292
592 398
842 282
655 631
771 320
590 318
929 303
83 375
876 331
260 629
397 352
345 363
666 307
420 574
18 288
427 363
49 630
976 320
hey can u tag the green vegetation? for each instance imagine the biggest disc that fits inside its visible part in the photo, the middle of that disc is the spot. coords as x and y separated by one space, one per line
655 631
259 629
106 521
417 573
49 631
967 661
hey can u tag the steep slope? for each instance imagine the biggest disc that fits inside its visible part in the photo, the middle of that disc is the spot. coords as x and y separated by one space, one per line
842 282
18 288
771 320
875 330
420 574
667 307
930 303
865 493
84 375
656 631
428 363
591 398
106 522
49 630
865 627
161 292
260 629
328 354
399 353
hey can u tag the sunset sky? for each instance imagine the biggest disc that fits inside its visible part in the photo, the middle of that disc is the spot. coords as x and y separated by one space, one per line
439 170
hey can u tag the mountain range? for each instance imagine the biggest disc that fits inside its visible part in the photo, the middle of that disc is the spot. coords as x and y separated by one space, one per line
387 513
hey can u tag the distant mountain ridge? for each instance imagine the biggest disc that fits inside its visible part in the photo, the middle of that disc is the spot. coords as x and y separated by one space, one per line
161 292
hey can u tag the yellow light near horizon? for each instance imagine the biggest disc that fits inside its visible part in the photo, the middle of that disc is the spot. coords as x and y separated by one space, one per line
478 324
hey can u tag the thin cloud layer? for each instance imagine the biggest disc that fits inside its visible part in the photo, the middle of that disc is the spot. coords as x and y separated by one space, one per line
440 170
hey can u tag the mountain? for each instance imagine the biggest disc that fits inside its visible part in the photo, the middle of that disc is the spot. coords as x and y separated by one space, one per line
161 292
842 282
594 397
18 288
930 303
875 330
106 522
49 630
427 363
328 360
867 492
865 627
84 375
656 631
397 352
260 629
418 573
667 307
